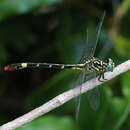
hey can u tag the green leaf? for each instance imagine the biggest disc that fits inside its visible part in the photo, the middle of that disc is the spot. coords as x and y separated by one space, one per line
126 85
111 115
122 46
118 111
94 120
50 123
11 7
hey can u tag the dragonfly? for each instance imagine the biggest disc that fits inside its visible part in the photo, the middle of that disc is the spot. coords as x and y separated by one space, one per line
88 63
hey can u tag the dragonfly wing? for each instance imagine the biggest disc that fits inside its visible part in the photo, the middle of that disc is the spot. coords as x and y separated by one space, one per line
108 45
88 51
91 42
77 99
96 35
93 97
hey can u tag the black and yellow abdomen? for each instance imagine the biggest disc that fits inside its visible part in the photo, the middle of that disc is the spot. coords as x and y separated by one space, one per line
92 64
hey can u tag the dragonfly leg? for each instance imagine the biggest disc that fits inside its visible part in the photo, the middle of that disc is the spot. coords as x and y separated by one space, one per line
101 76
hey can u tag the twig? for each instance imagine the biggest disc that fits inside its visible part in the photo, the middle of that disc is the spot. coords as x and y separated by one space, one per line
63 98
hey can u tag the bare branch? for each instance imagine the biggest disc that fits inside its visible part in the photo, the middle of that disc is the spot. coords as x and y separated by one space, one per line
63 98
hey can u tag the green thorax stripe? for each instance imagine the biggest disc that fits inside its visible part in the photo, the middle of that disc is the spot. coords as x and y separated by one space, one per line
95 65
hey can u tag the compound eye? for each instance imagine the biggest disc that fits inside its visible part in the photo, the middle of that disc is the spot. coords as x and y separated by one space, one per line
109 68
110 65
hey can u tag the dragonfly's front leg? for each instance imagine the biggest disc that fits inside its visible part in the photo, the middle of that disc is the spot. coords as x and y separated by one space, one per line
101 76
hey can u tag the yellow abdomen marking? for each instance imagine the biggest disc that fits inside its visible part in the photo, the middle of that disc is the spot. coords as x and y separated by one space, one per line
24 65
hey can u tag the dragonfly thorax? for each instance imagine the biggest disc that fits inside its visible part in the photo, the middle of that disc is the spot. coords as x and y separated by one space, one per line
96 65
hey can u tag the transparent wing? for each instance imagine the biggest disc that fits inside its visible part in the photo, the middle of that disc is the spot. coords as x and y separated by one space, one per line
96 36
77 99
80 79
91 44
106 48
89 50
93 95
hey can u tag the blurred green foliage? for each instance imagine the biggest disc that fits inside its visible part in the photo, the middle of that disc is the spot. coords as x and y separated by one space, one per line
55 31
13 7
51 123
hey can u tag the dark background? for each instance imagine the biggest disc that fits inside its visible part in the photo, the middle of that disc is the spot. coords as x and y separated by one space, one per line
54 31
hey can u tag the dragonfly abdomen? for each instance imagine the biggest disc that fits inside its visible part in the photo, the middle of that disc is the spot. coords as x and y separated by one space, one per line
18 66
92 65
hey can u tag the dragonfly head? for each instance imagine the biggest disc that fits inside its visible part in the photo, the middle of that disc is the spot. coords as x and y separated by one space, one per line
110 65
